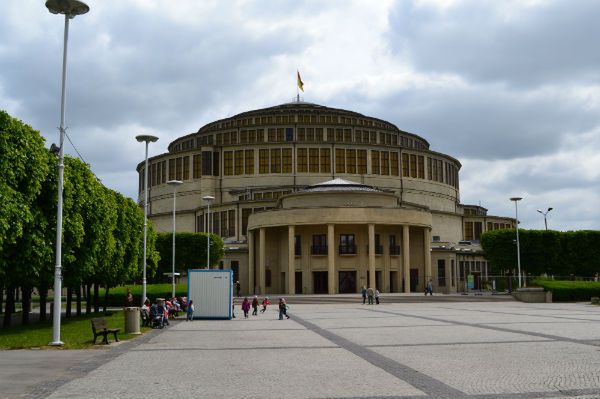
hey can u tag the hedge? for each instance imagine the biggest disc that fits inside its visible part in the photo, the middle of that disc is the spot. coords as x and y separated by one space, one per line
116 296
569 291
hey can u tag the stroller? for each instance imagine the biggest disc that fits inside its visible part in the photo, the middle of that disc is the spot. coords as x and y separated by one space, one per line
157 314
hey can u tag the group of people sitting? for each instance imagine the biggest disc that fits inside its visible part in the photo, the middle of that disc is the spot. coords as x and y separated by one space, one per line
156 315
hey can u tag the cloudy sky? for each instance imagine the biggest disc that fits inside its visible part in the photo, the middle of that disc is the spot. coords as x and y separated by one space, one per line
510 88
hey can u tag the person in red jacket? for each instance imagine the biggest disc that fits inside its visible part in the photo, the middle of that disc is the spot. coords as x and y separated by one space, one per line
265 302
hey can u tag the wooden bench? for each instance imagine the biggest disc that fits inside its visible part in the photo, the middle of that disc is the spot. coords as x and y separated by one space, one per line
100 327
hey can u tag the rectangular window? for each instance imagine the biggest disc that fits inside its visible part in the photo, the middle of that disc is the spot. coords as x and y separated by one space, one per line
197 166
375 162
394 247
310 134
206 163
224 231
385 163
249 160
477 230
243 137
216 165
325 160
301 134
178 168
441 273
319 244
339 135
163 166
348 135
362 161
231 221
429 169
313 160
373 137
228 163
272 133
405 170
413 165
434 170
394 163
275 160
420 167
319 134
216 225
263 160
302 160
286 154
297 246
351 161
268 277
239 162
199 223
186 168
245 215
289 134
468 231
340 161
347 244
172 169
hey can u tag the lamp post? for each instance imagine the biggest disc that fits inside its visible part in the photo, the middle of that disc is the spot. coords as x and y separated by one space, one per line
70 9
147 139
174 184
545 213
517 199
209 199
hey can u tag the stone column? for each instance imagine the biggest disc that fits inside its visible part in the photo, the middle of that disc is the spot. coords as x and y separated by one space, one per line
250 262
427 253
372 281
261 261
331 259
448 274
291 260
406 258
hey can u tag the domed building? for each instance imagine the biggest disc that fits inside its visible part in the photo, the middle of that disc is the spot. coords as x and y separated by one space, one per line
311 199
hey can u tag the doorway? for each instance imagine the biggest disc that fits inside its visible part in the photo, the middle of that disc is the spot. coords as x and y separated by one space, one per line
298 283
393 281
320 282
414 280
347 284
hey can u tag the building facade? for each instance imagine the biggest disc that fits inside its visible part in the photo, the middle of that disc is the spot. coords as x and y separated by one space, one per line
311 199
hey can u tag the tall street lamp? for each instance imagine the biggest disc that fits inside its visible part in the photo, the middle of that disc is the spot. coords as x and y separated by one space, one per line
174 184
517 199
70 9
209 199
545 213
147 139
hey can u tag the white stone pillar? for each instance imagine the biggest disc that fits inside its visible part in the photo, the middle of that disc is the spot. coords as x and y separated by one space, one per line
427 253
331 259
372 281
250 262
406 257
291 281
261 261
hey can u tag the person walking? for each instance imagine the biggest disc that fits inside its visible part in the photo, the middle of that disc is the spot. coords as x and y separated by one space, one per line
255 306
377 296
246 307
364 294
370 293
190 311
265 302
429 288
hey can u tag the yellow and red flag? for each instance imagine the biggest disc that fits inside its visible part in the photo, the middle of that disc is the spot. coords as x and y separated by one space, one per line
300 82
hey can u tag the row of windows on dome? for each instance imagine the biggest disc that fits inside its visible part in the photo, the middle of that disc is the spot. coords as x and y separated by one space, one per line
301 134
307 160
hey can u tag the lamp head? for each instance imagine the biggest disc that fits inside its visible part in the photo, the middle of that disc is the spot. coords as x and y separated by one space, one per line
540 211
67 7
208 198
174 183
146 138
549 209
516 199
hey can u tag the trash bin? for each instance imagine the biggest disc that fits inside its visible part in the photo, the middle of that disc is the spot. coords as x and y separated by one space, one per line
132 320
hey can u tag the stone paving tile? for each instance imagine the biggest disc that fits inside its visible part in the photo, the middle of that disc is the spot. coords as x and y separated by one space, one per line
572 330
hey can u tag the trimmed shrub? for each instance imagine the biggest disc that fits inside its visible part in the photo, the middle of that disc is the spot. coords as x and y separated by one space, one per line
570 291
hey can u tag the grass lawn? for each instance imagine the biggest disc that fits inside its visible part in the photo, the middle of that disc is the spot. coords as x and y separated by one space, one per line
75 332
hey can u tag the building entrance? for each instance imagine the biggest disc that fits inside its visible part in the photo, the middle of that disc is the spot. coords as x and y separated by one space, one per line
414 279
320 282
298 283
347 281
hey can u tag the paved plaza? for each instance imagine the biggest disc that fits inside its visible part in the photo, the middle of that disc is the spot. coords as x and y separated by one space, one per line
394 350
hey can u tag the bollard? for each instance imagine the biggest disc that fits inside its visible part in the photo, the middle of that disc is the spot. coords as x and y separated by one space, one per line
132 320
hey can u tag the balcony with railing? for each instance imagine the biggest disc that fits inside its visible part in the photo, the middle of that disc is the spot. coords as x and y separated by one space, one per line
395 250
297 250
378 249
318 250
348 249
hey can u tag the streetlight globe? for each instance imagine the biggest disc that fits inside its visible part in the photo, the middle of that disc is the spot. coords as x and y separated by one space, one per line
67 7
208 198
174 183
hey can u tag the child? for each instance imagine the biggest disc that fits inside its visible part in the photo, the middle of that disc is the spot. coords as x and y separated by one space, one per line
246 307
265 302
190 311
376 296
255 306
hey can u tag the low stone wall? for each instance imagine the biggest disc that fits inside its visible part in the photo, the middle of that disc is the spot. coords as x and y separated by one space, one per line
532 295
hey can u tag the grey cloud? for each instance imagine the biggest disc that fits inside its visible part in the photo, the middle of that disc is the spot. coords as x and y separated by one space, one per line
550 42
